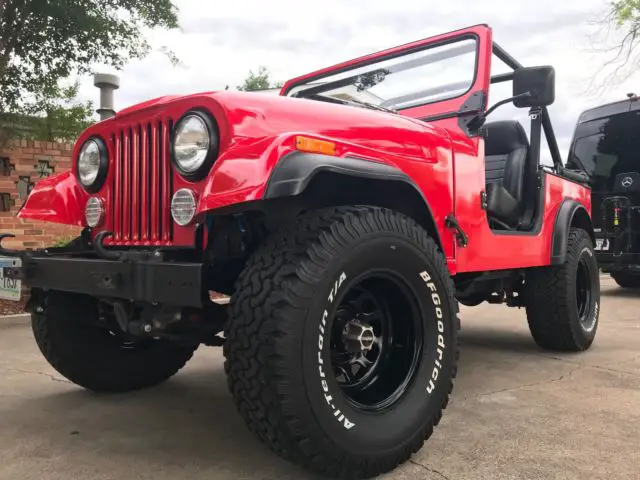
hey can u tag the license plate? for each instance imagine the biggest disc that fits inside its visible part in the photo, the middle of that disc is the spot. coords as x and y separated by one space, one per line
10 288
602 244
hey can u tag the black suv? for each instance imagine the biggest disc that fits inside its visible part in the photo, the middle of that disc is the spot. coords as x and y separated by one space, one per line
606 145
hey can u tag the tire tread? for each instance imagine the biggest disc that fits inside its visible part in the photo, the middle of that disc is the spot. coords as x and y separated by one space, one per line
548 303
86 361
269 298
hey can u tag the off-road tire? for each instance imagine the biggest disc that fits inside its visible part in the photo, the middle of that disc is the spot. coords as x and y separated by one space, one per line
626 280
89 355
274 347
551 300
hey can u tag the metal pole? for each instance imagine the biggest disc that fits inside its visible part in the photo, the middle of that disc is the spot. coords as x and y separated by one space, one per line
107 83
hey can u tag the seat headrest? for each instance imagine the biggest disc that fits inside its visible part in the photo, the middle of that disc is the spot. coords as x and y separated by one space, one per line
503 137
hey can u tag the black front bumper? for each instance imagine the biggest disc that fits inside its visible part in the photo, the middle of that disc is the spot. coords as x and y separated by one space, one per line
136 276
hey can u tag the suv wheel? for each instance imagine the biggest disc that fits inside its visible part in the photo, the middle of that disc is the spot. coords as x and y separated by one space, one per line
342 341
563 302
96 358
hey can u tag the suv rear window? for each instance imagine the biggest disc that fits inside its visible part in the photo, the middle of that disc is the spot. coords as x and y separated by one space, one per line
607 147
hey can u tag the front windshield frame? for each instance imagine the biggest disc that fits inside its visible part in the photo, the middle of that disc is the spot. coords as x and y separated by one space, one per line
314 92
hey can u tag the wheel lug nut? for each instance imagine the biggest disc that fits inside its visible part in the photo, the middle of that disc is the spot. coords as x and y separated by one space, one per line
358 337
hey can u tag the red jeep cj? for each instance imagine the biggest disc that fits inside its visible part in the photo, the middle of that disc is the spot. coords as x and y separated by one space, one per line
345 217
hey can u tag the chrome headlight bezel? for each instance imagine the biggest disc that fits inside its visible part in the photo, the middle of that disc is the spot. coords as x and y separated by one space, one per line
181 195
103 166
97 206
212 152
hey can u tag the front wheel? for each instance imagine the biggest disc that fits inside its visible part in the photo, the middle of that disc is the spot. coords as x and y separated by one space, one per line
563 301
342 341
70 337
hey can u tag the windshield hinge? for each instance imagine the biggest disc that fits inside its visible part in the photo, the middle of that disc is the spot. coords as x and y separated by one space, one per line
452 222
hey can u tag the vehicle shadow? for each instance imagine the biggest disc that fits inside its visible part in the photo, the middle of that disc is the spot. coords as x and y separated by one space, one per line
619 292
188 425
497 340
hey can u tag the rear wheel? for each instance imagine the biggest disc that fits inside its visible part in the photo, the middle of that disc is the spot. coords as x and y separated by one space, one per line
563 301
627 280
95 357
342 341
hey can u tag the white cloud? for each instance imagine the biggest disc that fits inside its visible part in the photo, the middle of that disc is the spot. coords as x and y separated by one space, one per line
219 43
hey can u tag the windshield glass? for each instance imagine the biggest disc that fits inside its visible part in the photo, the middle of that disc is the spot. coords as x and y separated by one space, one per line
410 80
606 148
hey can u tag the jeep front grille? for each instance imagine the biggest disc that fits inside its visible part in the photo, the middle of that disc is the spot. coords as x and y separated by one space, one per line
141 193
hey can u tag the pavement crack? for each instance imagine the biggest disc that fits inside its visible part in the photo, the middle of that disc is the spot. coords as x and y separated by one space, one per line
429 469
50 376
629 360
605 367
527 385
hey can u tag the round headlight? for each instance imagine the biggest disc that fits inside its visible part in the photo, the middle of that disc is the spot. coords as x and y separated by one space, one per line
92 164
195 144
93 212
191 144
183 206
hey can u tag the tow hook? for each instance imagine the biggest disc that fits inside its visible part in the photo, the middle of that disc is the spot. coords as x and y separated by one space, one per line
452 222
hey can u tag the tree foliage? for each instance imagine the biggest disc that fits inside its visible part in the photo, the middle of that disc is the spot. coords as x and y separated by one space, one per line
54 114
626 16
43 42
259 80
618 38
626 11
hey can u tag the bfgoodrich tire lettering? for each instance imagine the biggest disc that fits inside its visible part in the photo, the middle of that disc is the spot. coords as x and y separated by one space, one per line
563 302
281 358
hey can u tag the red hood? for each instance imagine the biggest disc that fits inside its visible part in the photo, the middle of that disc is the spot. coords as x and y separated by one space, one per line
254 116
154 102
250 119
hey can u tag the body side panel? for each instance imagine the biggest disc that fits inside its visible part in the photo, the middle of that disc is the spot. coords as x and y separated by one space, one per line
57 199
490 251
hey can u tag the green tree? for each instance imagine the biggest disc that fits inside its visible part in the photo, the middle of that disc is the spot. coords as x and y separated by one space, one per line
621 56
625 15
626 12
53 113
43 42
258 81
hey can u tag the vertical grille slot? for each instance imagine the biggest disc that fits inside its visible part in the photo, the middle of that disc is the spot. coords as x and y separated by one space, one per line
165 194
144 182
142 185
135 183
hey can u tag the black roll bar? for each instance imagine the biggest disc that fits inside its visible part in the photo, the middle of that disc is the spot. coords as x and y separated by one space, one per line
549 134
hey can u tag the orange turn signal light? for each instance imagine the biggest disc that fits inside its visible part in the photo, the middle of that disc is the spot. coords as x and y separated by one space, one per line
314 145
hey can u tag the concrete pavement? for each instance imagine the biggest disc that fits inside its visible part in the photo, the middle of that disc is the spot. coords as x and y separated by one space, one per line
516 412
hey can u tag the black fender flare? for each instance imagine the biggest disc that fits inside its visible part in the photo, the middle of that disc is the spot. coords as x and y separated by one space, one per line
294 172
571 212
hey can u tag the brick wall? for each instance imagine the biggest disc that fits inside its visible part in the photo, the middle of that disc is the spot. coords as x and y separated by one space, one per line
22 164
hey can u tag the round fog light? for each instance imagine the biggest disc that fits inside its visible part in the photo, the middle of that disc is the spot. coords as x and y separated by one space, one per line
183 206
93 212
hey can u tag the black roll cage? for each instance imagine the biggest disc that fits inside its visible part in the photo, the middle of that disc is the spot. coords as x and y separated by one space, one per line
538 119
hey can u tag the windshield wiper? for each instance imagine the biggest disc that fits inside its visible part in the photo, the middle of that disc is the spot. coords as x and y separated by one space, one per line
372 106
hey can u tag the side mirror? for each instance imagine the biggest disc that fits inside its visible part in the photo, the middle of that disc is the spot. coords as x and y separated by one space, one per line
539 82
